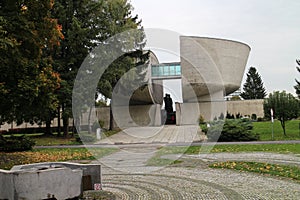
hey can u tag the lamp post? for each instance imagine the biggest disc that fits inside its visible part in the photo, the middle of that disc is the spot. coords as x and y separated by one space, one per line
272 120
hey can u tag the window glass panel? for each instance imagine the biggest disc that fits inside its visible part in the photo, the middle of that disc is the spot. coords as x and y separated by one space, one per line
172 70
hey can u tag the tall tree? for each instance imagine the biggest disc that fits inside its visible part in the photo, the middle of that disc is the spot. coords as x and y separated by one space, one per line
121 19
86 24
27 80
285 107
253 88
297 87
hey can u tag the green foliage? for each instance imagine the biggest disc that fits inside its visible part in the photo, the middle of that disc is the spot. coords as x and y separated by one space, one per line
86 24
26 75
229 116
201 120
284 105
264 129
86 138
297 86
254 117
263 168
16 143
231 130
235 98
276 148
253 88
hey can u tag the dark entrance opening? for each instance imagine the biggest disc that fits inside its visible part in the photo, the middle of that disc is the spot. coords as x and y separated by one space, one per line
171 115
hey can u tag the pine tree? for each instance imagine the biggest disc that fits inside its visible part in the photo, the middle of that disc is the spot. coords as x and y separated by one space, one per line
297 87
253 88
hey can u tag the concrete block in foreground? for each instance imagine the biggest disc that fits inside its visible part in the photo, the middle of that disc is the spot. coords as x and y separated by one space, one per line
61 180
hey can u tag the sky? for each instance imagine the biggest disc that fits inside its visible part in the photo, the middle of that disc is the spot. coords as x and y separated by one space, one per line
270 27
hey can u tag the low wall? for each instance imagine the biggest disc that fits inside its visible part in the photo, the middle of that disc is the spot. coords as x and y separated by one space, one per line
246 107
189 113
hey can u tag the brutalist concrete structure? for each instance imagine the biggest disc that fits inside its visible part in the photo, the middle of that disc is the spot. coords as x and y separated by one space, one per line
211 68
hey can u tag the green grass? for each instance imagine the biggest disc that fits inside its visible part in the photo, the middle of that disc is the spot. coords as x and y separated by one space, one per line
7 160
158 161
275 148
264 129
52 140
263 168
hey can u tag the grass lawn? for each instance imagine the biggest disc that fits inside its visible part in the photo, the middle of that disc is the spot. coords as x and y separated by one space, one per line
52 140
275 148
264 129
262 168
8 160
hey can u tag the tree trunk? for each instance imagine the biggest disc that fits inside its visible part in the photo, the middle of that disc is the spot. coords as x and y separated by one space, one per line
73 127
48 128
66 126
65 122
111 118
58 122
283 127
89 120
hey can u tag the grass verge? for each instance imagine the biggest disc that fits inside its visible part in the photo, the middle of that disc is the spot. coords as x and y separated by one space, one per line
274 148
8 160
262 168
264 129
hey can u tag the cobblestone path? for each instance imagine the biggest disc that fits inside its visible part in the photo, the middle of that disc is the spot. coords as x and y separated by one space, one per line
182 183
194 181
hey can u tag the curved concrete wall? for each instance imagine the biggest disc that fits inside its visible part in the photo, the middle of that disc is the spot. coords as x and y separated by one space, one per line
211 66
152 92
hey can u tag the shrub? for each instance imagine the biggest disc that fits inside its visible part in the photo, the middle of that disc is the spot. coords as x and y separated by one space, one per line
229 116
231 130
16 143
254 117
201 120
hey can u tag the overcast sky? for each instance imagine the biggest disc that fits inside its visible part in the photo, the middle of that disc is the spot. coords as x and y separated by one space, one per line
270 27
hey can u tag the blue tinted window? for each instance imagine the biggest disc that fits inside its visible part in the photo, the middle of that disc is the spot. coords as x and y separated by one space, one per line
172 69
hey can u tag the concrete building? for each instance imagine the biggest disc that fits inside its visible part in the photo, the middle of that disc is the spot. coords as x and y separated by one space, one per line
209 69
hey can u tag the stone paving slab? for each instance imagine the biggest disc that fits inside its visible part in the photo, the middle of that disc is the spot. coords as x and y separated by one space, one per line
196 183
163 134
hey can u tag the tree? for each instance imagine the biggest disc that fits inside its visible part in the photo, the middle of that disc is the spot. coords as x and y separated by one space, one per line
253 88
285 107
87 24
27 79
297 87
129 60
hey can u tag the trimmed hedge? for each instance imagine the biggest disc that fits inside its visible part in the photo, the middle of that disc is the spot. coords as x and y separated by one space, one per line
232 130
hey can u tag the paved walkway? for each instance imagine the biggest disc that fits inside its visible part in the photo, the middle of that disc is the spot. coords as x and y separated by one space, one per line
167 134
